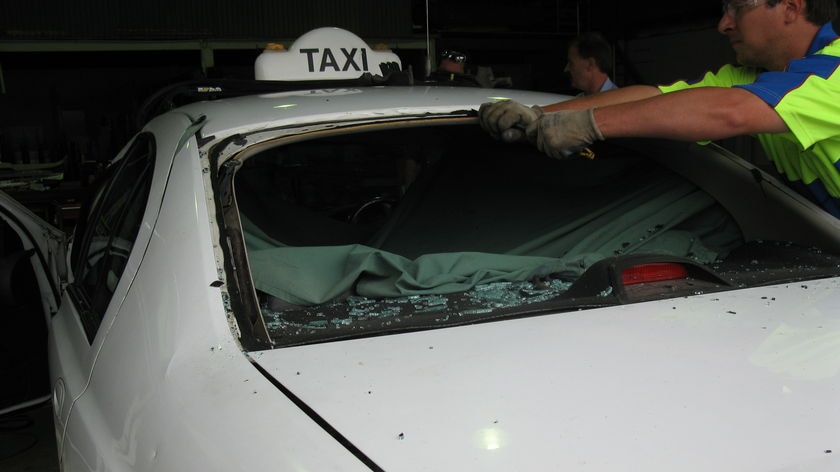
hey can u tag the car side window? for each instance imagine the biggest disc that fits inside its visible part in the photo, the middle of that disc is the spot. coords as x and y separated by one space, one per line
108 229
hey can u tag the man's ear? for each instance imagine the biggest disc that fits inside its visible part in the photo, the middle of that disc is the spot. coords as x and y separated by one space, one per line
793 9
591 63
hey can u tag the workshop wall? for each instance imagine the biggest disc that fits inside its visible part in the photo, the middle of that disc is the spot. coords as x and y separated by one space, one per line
74 74
215 19
670 56
79 107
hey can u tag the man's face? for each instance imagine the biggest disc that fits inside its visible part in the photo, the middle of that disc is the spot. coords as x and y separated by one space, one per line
577 68
751 27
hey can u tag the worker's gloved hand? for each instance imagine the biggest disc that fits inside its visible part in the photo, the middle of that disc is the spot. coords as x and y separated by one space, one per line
564 133
507 119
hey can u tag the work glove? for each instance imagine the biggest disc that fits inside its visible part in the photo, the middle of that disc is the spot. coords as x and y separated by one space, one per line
507 119
561 134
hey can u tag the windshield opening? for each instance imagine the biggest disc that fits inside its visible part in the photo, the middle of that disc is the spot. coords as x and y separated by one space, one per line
417 228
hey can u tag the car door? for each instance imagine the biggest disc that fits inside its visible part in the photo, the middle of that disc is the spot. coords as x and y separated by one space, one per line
32 271
103 244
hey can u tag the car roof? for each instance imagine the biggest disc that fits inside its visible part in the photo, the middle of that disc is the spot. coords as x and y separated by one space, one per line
266 110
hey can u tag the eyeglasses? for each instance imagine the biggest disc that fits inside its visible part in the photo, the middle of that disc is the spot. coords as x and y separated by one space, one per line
735 8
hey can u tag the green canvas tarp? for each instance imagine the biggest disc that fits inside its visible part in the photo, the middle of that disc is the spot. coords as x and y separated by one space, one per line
659 213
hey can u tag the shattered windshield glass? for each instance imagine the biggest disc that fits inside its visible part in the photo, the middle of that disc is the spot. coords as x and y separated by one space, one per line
414 228
356 315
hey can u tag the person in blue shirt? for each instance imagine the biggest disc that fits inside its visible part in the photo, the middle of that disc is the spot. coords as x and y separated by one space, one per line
785 90
589 64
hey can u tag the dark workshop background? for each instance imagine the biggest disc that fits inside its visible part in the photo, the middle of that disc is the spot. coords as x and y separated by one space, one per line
73 74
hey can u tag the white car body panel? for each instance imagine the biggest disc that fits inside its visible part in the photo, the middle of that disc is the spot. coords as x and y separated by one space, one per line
72 356
742 380
182 377
732 381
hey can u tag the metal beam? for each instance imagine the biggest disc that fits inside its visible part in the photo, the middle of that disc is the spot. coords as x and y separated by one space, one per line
175 45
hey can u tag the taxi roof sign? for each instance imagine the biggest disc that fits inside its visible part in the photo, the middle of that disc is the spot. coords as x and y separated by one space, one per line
325 54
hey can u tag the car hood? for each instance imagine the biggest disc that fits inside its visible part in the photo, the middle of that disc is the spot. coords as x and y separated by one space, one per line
745 380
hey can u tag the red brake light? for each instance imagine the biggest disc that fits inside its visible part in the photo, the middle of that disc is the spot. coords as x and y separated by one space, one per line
655 272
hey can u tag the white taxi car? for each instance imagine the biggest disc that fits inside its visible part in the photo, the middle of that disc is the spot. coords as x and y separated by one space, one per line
355 277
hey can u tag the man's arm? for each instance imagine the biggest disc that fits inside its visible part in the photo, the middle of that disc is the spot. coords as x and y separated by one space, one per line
698 114
630 93
703 113
498 117
692 114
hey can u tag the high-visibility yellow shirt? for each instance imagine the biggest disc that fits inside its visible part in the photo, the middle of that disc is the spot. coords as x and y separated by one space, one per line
806 95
